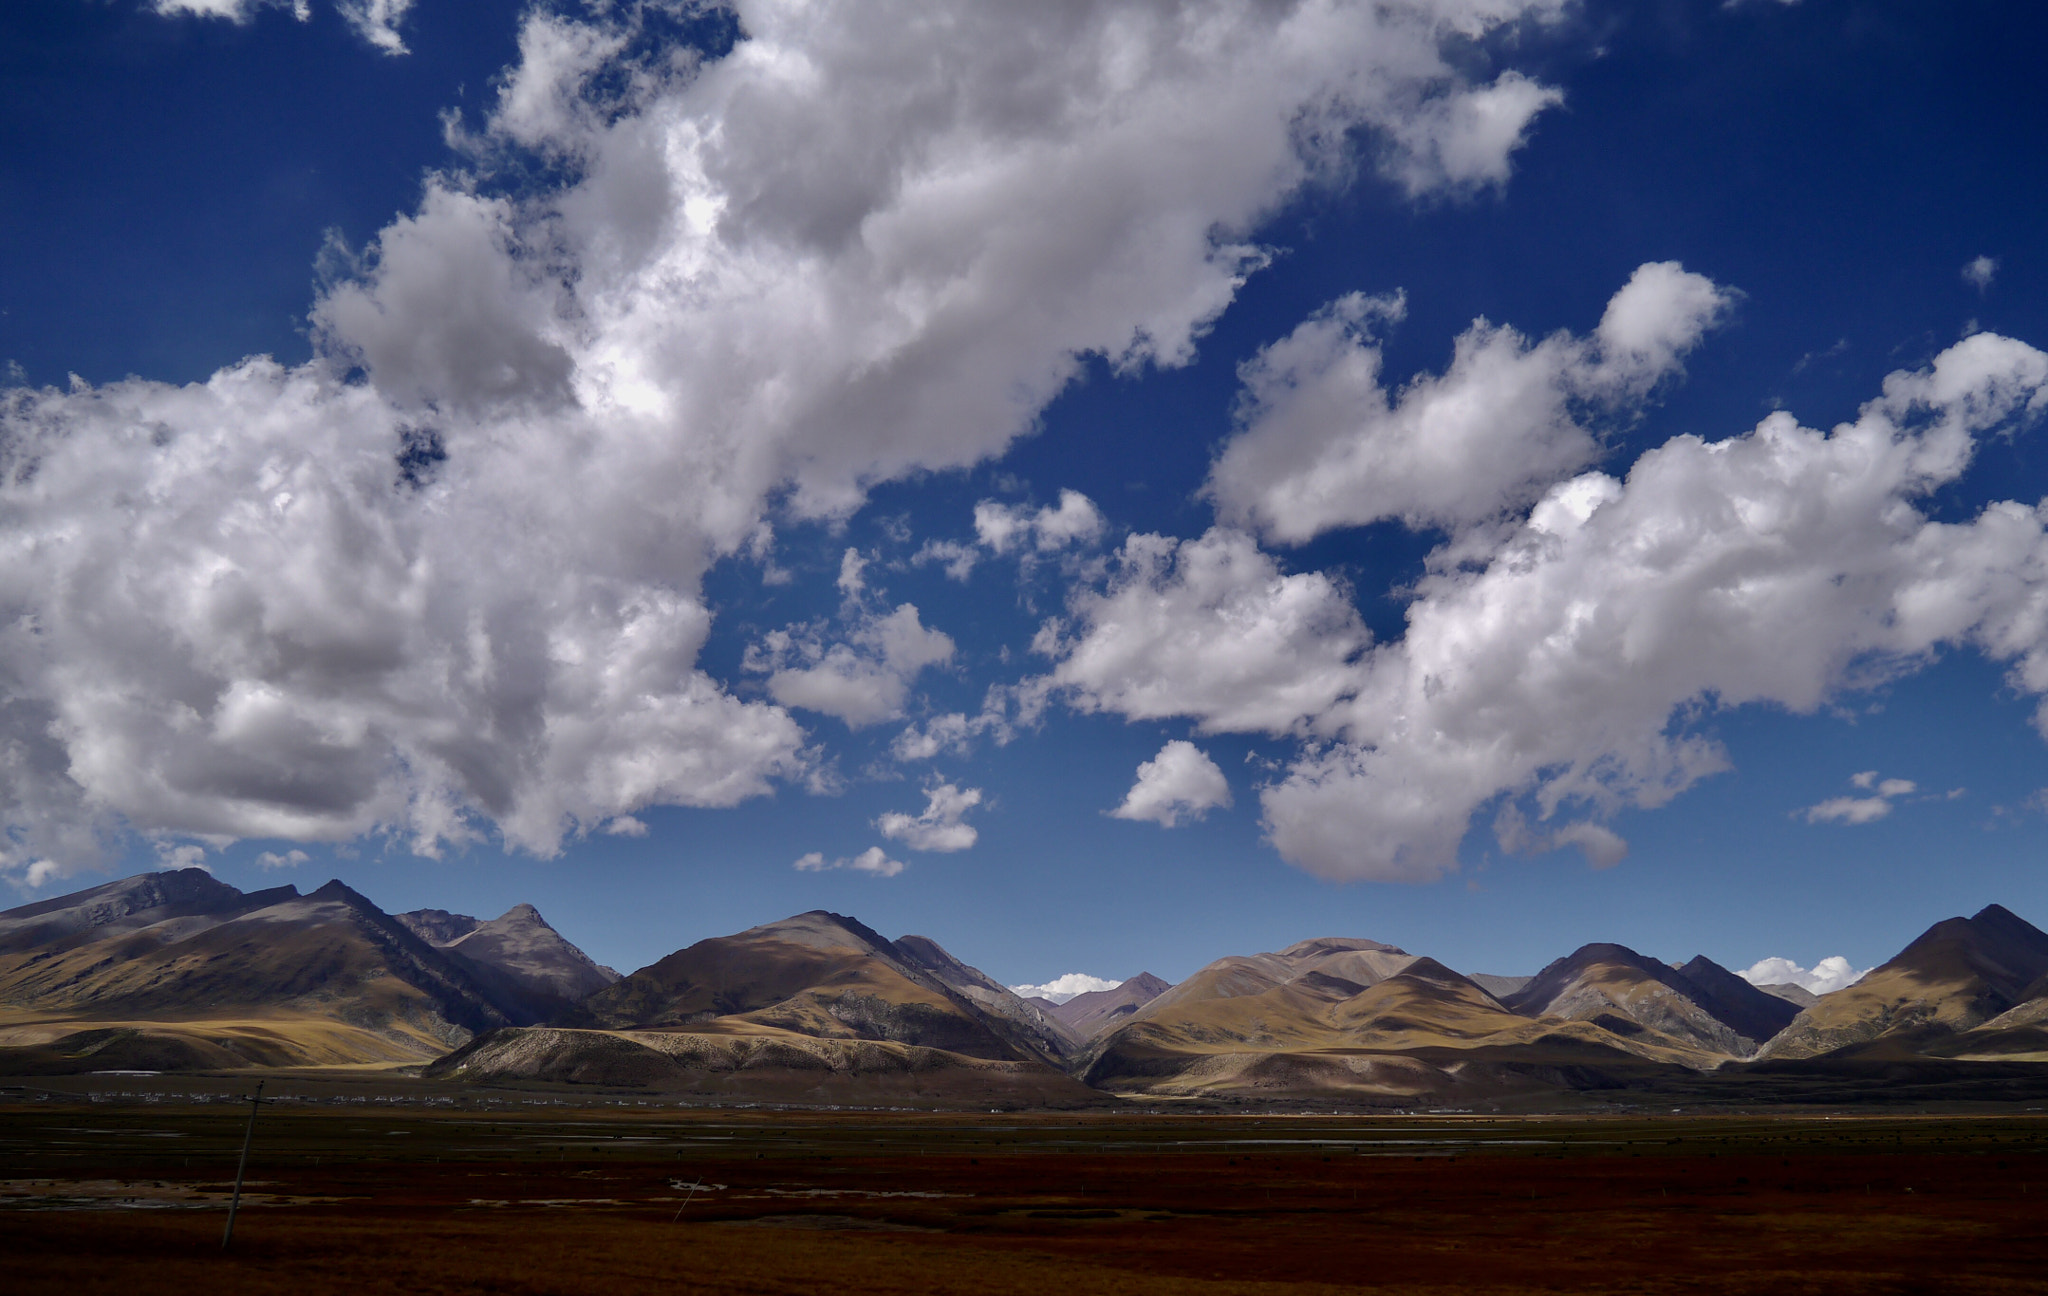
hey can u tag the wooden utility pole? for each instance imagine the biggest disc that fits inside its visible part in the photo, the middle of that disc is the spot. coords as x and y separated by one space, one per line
248 1136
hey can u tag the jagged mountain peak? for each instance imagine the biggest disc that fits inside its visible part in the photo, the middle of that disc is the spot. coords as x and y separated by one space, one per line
438 926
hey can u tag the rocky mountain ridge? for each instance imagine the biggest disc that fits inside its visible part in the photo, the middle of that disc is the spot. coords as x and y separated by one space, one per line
180 971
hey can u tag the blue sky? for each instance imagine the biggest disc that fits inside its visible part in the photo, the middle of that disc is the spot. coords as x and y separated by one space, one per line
1348 415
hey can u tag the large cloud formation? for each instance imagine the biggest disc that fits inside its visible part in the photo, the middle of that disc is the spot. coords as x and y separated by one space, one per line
1560 654
446 578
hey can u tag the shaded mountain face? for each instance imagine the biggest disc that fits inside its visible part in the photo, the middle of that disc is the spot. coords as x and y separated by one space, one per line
1958 976
1500 987
519 950
1088 1015
2020 1033
1048 1035
130 904
1703 1005
1755 1014
1796 995
831 977
438 926
326 977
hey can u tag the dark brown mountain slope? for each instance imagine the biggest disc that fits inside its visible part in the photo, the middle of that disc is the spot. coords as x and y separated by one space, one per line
273 978
1049 1036
1958 975
130 904
1603 981
1753 1012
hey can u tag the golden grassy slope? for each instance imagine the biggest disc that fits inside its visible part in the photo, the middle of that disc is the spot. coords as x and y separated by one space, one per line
1424 1031
41 1045
814 975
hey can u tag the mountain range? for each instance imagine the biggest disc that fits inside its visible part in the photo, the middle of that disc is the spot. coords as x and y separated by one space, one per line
178 971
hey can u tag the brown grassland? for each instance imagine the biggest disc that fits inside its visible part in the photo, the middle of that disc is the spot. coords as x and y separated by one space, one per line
356 1187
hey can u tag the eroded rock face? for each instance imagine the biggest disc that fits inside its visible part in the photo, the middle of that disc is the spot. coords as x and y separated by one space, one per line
438 926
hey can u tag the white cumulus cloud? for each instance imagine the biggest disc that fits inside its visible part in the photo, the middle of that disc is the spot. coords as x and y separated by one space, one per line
1005 709
938 827
1978 272
862 680
446 578
1001 526
1324 444
1780 566
1209 628
1463 142
1180 782
1565 657
1062 988
1825 977
173 855
955 558
288 859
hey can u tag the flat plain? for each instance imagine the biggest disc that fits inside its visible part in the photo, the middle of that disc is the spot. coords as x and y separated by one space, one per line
114 1185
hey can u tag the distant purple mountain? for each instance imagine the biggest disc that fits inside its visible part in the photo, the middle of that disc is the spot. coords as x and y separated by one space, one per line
1088 1015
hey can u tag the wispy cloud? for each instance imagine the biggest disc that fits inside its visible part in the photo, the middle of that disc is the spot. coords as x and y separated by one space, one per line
872 860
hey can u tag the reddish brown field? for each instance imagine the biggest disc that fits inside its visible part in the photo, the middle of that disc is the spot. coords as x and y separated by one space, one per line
125 1200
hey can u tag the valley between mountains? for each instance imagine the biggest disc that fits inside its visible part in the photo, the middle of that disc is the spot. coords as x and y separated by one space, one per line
178 972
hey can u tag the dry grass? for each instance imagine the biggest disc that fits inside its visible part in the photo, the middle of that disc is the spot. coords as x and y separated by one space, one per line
588 1202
